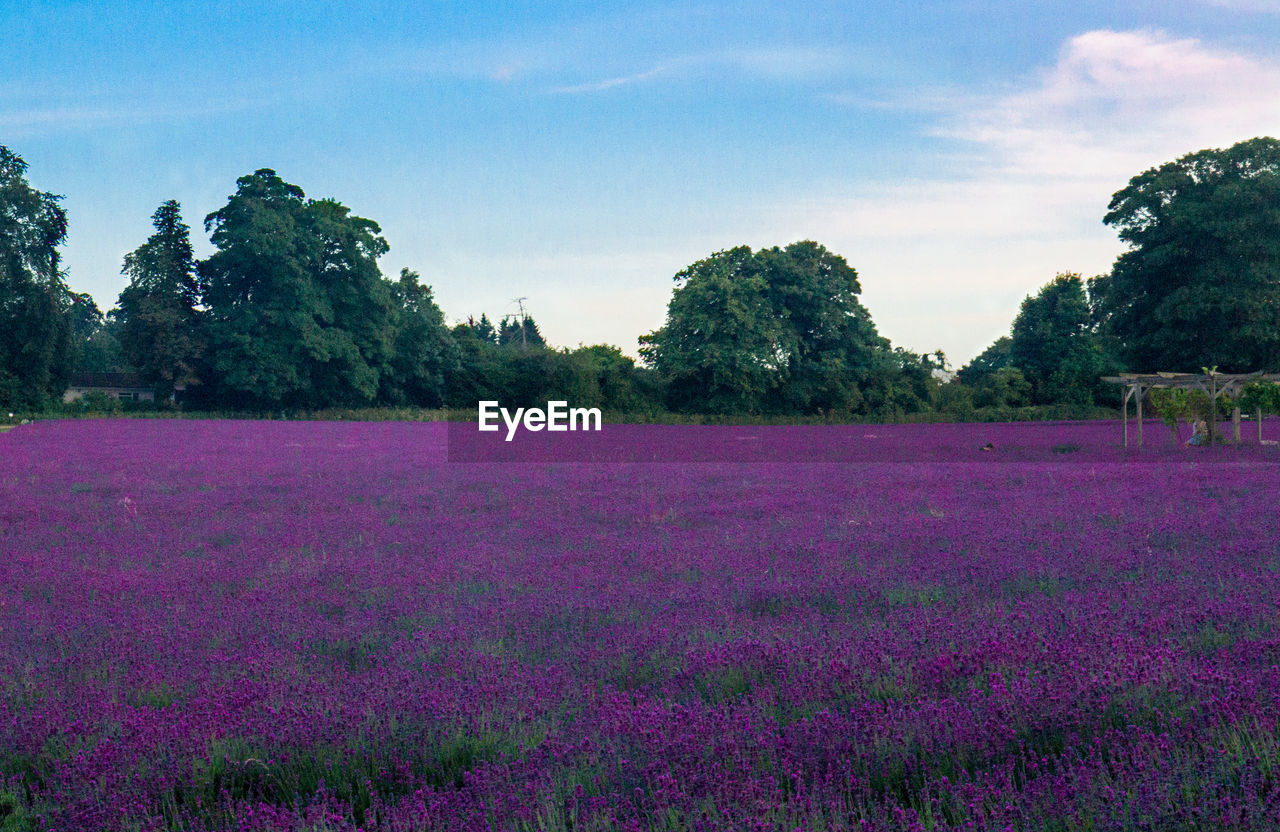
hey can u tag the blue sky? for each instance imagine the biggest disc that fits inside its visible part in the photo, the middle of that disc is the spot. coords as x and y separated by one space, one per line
958 154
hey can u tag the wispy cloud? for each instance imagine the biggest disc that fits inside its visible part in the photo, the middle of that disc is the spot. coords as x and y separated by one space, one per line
1112 104
775 63
1036 163
24 121
1116 100
610 83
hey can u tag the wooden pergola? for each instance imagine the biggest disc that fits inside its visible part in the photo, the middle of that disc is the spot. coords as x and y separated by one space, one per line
1212 385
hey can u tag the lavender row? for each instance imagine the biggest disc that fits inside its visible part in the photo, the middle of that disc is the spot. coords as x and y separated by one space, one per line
305 626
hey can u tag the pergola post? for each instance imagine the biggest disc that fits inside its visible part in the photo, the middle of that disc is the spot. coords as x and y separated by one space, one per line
1212 384
1125 392
1213 408
1139 415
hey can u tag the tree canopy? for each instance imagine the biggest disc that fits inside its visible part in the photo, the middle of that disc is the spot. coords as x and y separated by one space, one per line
987 362
159 324
423 353
1054 344
1198 285
298 312
777 330
292 312
36 307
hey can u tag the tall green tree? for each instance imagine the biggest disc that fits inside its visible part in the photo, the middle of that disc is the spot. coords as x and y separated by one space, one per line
101 351
86 322
423 348
521 331
37 345
1054 344
832 348
777 330
298 313
159 324
1199 285
722 348
989 361
479 372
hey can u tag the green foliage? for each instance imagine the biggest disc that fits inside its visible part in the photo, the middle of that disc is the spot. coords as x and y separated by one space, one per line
298 312
1004 388
520 331
955 400
1170 404
101 352
1054 345
529 373
1261 395
479 372
619 383
1197 286
86 317
87 328
993 358
899 382
37 341
1047 326
722 349
778 330
423 353
159 326
483 329
96 402
14 816
1198 405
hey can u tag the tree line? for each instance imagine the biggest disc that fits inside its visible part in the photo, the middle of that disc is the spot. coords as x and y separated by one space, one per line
292 312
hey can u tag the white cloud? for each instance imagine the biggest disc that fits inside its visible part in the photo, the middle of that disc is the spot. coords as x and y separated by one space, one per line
1115 100
1026 199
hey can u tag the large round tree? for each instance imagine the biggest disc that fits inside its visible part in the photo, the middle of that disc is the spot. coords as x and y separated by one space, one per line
780 329
298 314
1200 283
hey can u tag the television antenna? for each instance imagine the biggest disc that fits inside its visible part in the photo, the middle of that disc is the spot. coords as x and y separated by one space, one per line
524 337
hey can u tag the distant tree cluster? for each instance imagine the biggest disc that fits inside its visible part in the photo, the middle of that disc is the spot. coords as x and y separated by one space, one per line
292 312
1199 286
1055 354
780 331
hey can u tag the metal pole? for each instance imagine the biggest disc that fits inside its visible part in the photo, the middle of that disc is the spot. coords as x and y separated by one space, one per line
1235 424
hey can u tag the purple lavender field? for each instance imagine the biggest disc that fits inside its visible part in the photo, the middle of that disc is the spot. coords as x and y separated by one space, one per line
328 626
